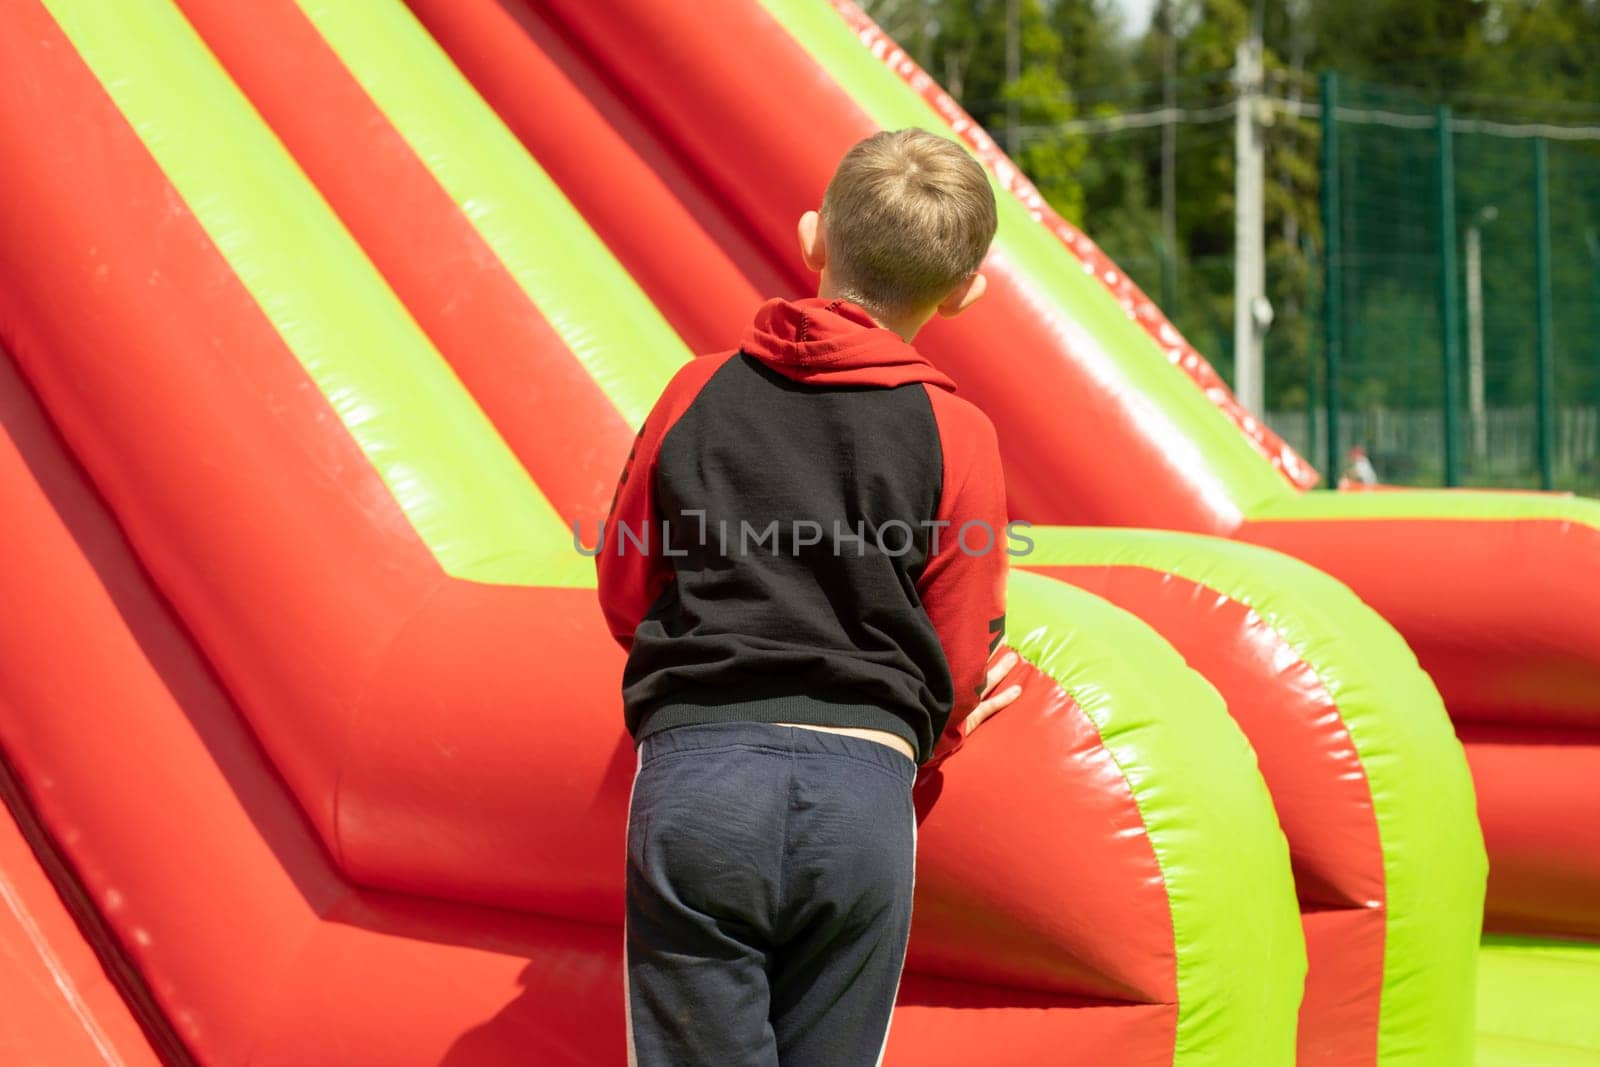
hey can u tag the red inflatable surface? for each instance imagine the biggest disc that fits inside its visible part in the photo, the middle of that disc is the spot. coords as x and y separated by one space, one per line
411 842
411 828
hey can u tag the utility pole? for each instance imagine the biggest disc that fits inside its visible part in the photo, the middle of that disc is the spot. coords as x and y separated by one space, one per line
1592 239
1169 160
1477 407
1297 68
1545 383
1476 412
923 17
1449 319
1013 73
1296 11
1332 264
1252 314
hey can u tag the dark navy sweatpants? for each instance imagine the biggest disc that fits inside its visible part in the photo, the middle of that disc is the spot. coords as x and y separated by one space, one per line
769 883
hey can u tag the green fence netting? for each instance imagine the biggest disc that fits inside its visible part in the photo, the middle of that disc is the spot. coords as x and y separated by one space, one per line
1461 312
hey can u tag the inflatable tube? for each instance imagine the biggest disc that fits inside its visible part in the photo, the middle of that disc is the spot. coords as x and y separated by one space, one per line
1162 756
476 278
1538 807
1499 595
567 341
259 494
1345 725
1448 568
185 840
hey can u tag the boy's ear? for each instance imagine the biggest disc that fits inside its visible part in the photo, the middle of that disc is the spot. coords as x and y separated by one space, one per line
813 246
964 295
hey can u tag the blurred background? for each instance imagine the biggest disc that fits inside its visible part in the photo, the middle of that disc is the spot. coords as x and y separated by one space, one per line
1379 219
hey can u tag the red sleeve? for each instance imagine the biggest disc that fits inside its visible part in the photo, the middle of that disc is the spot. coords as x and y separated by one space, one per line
631 577
963 587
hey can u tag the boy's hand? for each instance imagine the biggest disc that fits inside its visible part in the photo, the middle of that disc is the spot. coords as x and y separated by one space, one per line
992 701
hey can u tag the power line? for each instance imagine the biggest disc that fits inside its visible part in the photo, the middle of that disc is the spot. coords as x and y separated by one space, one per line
1304 109
1112 92
1401 120
1135 120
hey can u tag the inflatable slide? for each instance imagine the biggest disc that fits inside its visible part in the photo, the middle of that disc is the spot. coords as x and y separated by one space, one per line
325 323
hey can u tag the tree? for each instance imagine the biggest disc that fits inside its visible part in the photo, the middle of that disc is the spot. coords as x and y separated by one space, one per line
965 48
1508 59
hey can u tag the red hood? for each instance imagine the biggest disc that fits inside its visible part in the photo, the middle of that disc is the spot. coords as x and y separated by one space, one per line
834 342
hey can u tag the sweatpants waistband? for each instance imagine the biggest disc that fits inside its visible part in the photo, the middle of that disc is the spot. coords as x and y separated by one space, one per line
778 738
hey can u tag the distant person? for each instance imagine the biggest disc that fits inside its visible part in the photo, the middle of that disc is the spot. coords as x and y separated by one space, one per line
821 618
1358 469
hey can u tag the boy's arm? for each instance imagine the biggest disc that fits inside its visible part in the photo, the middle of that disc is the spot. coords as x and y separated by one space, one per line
963 588
631 578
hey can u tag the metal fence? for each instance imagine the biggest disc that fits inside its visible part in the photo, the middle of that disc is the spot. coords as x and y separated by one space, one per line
1461 318
1406 446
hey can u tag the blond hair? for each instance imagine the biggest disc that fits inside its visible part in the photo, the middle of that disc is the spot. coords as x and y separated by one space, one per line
908 215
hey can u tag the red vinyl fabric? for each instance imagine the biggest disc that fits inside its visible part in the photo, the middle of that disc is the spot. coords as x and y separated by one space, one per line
363 750
1502 614
1317 783
1540 812
61 1005
180 831
463 298
347 734
1454 586
241 502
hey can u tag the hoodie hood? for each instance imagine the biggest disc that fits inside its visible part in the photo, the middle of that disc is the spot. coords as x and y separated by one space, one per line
835 342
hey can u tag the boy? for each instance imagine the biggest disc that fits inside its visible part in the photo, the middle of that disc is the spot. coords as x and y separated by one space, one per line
805 560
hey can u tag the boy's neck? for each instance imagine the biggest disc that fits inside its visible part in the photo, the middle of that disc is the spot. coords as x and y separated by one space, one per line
907 326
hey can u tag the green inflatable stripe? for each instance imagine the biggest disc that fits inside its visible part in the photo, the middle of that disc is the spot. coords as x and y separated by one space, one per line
1433 856
1241 959
458 484
1458 504
1538 998
1496 1051
1200 438
591 302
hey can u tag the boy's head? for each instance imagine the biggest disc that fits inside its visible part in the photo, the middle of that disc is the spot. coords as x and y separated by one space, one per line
905 223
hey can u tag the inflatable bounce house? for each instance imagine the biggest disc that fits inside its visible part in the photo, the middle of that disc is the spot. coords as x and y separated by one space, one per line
323 322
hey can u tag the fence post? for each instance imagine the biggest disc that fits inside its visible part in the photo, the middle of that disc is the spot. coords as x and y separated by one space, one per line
1449 319
1592 239
1545 384
1332 270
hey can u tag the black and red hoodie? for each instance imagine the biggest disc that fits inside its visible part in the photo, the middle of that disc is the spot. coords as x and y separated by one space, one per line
809 529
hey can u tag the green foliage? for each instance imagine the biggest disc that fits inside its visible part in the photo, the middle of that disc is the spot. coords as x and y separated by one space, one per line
968 52
1053 160
1510 60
